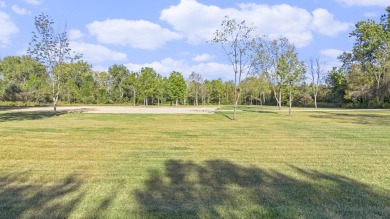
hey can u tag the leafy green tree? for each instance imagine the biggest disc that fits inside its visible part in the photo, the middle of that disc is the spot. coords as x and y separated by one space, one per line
161 88
23 75
206 91
251 89
229 92
176 87
337 82
217 90
295 74
118 75
195 81
102 84
133 83
149 84
75 77
371 52
52 49
277 59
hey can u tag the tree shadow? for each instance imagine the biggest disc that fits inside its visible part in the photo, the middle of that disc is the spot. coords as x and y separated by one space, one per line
31 115
222 189
19 199
259 111
225 115
6 108
357 118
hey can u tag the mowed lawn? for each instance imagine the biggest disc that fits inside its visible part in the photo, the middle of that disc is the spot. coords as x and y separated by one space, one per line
264 165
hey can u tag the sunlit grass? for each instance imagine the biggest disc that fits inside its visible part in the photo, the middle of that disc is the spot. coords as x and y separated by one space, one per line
265 164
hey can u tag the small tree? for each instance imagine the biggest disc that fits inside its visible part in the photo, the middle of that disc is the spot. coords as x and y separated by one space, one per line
316 73
176 87
235 39
52 50
196 81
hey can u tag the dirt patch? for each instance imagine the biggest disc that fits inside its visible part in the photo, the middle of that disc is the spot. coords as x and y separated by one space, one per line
123 109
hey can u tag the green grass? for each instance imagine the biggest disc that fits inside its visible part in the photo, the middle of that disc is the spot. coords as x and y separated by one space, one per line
264 165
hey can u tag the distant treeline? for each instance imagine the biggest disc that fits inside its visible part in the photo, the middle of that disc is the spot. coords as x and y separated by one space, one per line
23 79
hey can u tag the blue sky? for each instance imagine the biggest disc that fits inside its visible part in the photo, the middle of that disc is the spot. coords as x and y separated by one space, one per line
172 34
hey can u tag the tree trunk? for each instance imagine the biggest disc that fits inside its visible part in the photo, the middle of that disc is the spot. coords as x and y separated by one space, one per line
196 98
290 100
235 108
237 97
315 100
280 100
55 100
263 99
177 101
134 97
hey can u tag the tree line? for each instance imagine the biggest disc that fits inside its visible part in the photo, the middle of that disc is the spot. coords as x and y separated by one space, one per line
267 71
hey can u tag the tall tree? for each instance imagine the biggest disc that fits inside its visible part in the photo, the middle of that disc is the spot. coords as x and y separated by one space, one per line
217 90
316 76
371 52
176 88
102 82
337 82
196 81
295 73
118 75
52 49
268 55
149 84
235 39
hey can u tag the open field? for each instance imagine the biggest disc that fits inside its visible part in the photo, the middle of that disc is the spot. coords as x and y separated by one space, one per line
323 164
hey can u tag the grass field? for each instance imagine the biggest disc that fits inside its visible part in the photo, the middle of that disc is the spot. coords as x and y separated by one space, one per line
264 165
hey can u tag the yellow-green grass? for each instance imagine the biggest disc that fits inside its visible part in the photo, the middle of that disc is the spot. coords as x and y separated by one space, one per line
264 165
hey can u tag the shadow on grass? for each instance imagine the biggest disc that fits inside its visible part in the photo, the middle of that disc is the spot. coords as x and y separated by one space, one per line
258 111
19 199
230 117
368 118
33 115
6 108
222 189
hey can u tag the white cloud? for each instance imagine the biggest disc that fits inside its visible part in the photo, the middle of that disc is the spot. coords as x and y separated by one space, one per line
209 70
380 3
22 52
324 23
21 11
75 34
100 68
203 57
137 34
96 53
3 4
331 53
34 2
8 28
371 15
198 21
330 58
